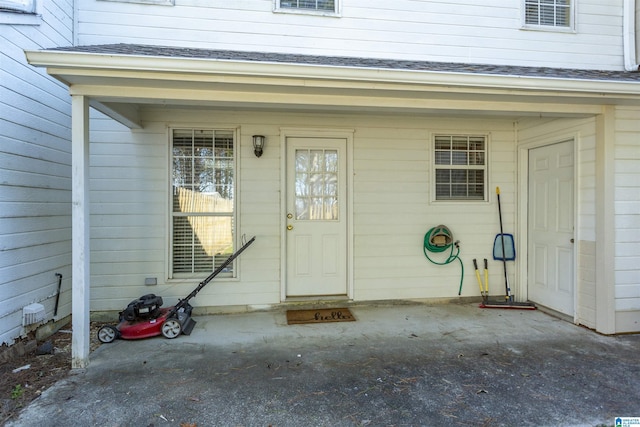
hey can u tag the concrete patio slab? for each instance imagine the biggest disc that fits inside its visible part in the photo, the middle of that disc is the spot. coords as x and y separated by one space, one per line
397 365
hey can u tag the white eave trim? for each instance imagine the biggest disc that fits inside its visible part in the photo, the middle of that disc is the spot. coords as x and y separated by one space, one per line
106 64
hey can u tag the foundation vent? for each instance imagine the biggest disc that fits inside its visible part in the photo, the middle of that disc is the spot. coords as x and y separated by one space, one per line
32 313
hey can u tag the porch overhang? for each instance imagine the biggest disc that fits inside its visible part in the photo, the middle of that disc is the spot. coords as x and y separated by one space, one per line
120 79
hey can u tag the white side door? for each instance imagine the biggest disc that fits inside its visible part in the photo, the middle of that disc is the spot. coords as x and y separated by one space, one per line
551 227
316 252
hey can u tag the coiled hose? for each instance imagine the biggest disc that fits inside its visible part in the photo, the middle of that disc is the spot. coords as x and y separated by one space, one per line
454 249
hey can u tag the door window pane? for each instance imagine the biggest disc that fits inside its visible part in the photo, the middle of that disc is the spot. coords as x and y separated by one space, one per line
316 185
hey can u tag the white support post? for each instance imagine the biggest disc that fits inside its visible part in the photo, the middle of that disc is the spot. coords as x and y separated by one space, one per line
80 230
605 222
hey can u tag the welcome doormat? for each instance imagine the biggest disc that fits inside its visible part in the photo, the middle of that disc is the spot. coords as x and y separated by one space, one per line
323 315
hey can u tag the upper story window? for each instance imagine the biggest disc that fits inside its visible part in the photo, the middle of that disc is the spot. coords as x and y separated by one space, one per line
19 6
548 13
20 12
323 6
158 2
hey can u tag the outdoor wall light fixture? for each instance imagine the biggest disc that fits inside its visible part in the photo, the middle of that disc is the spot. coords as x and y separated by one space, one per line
258 144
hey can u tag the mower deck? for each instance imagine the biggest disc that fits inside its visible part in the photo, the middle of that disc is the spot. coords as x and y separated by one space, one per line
143 328
144 317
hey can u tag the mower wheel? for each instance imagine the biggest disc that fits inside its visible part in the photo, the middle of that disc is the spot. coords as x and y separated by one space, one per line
171 328
107 334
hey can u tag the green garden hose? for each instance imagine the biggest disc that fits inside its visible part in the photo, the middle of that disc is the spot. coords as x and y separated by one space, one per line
452 246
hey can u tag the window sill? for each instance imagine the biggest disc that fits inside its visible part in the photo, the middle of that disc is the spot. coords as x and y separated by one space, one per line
458 202
11 18
292 11
191 280
548 28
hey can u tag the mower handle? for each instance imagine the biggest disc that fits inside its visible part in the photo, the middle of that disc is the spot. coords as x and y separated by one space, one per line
184 302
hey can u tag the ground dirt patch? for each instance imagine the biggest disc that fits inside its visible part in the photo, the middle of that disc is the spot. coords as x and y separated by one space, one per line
23 378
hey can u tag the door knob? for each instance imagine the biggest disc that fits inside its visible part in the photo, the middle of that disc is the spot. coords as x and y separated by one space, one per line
289 227
289 216
572 240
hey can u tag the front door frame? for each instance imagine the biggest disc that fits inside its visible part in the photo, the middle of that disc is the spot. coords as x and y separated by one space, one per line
521 288
346 134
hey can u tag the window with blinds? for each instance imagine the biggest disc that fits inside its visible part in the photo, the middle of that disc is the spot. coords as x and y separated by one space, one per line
548 13
202 200
460 165
309 5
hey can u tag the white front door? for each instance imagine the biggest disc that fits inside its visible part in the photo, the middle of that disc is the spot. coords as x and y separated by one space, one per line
316 217
551 227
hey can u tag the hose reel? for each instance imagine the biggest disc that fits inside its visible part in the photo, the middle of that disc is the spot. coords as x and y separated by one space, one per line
438 240
440 236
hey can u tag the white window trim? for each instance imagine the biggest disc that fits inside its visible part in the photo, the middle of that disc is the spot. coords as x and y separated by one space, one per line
187 277
336 14
432 162
570 29
19 17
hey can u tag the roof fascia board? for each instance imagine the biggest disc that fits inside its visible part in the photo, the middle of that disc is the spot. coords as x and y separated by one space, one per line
129 78
59 60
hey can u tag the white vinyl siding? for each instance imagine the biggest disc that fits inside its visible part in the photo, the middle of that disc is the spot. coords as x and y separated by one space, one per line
627 219
460 167
488 32
203 194
35 172
391 206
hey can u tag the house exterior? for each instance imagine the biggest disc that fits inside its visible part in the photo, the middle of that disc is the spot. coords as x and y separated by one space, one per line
35 169
380 123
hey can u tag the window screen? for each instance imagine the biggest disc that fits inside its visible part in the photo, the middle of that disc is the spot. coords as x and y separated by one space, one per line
203 199
460 167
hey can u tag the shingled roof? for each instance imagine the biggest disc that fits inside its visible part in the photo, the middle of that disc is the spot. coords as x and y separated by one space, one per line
352 62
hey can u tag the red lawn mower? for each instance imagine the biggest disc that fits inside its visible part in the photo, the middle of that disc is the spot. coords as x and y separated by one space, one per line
145 317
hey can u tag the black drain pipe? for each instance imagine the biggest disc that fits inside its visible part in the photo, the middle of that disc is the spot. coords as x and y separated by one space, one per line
55 310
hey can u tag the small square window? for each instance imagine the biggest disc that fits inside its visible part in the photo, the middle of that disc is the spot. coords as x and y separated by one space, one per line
460 167
19 6
156 2
327 6
548 13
